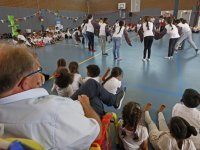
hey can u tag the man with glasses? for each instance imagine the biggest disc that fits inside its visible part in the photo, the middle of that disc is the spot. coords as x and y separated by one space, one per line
30 112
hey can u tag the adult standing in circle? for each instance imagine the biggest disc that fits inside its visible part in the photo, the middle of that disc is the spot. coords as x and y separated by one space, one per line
92 28
186 34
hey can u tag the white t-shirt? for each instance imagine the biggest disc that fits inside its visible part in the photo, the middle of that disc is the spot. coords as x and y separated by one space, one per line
98 79
64 92
103 29
173 33
15 42
128 142
21 37
185 28
127 28
77 80
90 27
196 29
146 31
112 85
84 29
27 43
63 34
73 35
138 27
167 142
68 33
152 20
120 33
46 40
116 25
192 116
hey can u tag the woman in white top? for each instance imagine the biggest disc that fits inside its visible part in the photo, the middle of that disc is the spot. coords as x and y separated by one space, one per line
186 34
89 23
119 32
133 135
73 68
148 37
172 30
173 138
62 82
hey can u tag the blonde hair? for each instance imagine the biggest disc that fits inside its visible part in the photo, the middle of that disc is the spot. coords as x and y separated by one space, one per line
15 63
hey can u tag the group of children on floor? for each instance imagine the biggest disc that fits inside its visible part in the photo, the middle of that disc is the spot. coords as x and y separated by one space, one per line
182 133
68 80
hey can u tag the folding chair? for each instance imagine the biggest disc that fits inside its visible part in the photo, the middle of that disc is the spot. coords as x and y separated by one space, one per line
105 141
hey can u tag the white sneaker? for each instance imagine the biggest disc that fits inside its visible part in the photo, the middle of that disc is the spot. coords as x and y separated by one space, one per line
197 52
171 57
119 59
144 60
148 59
167 57
76 45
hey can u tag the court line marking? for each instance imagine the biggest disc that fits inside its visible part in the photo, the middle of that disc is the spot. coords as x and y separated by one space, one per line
72 44
93 56
179 75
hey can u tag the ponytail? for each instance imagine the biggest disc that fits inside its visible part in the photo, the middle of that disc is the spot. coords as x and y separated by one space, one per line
146 19
171 26
131 114
169 21
88 17
121 23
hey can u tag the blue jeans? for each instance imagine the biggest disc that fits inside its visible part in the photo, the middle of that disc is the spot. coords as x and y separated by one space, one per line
116 46
86 39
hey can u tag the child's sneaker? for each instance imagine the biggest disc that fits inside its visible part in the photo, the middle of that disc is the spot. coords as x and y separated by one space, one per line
119 99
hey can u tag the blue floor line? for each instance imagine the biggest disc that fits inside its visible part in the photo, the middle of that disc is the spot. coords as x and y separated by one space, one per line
46 86
151 89
179 76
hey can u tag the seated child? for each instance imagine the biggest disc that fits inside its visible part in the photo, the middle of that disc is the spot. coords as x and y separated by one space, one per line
30 44
50 35
21 43
189 111
112 83
195 29
68 34
38 41
73 68
62 82
15 40
133 135
60 36
20 36
93 72
61 63
57 29
176 137
76 36
53 29
46 39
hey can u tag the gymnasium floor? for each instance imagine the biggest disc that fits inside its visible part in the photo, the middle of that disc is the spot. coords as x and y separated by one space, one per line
159 81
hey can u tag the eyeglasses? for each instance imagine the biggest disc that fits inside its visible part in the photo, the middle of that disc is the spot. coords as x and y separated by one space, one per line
39 71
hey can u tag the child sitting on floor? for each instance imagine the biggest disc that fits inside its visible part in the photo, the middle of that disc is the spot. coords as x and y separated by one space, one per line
68 34
189 111
29 44
15 40
62 82
93 72
46 39
50 35
38 41
73 68
195 29
76 35
60 36
112 83
176 137
133 135
61 63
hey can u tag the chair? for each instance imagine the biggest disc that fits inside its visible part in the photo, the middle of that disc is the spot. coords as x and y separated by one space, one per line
105 141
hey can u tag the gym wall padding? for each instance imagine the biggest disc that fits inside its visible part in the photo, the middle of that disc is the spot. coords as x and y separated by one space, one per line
134 19
69 23
34 23
192 15
49 18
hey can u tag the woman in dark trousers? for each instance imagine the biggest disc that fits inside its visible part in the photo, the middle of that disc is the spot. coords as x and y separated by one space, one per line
92 29
146 31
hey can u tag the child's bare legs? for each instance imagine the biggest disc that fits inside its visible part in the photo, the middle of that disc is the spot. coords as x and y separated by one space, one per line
162 123
148 120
